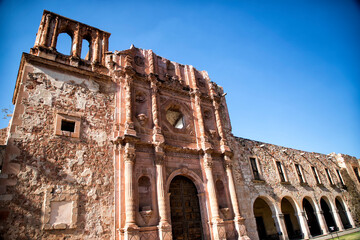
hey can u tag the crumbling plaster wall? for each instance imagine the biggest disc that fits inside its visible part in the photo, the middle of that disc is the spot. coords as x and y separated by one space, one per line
248 189
38 162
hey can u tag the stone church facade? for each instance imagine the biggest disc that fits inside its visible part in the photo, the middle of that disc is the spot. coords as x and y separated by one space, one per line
130 145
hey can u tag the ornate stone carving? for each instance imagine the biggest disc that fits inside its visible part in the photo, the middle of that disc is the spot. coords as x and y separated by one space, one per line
129 155
227 164
140 97
142 118
208 162
146 215
207 114
201 82
212 133
139 61
225 212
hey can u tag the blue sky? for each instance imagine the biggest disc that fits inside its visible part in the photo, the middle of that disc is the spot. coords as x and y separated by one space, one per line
290 68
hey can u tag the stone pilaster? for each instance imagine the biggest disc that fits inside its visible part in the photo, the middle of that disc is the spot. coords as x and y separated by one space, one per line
164 225
197 103
216 102
216 222
238 220
130 229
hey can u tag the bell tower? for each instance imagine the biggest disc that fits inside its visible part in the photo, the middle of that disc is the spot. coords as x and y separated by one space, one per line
53 24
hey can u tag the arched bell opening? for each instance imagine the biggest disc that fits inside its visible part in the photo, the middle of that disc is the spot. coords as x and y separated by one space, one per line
64 43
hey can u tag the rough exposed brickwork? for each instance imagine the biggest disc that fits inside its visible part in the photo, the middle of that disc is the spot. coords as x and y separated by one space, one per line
95 145
3 136
39 160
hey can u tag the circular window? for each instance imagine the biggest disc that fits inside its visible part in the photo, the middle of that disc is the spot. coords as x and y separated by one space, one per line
175 118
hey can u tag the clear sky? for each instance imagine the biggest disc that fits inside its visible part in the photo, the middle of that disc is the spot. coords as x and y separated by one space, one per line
291 68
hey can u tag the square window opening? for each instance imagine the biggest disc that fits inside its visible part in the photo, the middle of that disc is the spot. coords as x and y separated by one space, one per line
68 126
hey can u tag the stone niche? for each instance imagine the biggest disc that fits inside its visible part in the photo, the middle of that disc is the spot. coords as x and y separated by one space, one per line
60 210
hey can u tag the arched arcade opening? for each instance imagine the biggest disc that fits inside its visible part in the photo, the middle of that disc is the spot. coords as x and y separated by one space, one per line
329 218
342 212
290 219
311 218
265 223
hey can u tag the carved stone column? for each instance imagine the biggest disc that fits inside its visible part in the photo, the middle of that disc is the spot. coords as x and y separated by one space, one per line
323 226
303 224
129 124
216 102
216 222
131 229
157 135
204 141
280 226
337 218
165 232
238 220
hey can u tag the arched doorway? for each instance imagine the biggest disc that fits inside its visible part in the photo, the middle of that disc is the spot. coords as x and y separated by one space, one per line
311 218
264 222
342 212
185 209
329 219
291 222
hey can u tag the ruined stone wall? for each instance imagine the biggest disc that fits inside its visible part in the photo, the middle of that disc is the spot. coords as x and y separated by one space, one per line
55 179
352 183
270 187
3 136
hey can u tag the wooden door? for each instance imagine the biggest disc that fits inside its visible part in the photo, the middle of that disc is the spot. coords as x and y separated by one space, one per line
185 210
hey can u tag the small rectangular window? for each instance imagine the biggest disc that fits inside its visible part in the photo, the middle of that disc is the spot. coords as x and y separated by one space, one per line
340 177
356 170
281 172
316 176
329 176
254 169
68 126
299 173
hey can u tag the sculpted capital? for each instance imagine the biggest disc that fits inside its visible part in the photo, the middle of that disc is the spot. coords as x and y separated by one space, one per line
129 155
